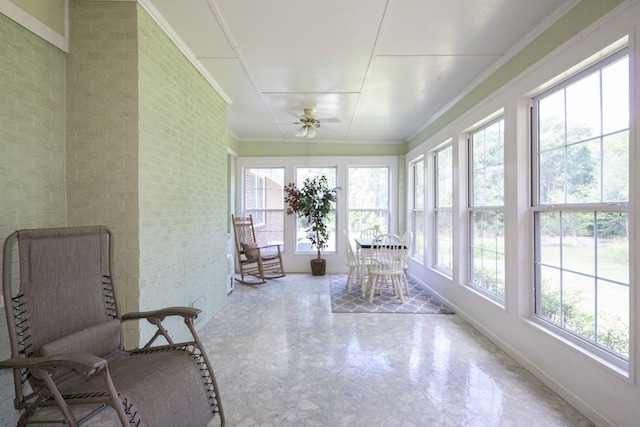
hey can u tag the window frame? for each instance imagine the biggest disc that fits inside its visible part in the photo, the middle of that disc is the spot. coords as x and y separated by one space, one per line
381 212
312 250
259 221
437 210
473 208
417 224
538 208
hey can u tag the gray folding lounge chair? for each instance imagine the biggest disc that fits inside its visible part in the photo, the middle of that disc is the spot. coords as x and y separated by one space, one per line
65 329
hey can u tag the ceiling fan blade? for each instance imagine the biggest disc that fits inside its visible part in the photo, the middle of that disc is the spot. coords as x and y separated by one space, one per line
330 120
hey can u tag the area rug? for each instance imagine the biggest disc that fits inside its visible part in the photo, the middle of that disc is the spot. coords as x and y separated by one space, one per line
419 301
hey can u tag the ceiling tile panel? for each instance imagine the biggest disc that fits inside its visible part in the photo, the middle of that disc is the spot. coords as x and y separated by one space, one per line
384 68
403 92
196 24
230 75
460 27
304 45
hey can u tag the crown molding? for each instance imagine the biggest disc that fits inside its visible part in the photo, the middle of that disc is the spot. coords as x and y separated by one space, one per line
164 25
18 15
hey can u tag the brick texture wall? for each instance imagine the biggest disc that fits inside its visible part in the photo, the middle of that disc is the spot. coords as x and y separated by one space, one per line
147 157
32 131
32 152
102 133
182 180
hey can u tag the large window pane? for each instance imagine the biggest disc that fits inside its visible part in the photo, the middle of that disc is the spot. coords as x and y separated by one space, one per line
582 180
418 217
443 215
368 198
486 201
615 167
418 235
444 241
263 199
444 178
582 246
583 108
551 122
548 230
612 322
615 96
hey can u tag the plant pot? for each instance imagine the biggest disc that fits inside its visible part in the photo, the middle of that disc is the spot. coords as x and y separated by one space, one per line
318 267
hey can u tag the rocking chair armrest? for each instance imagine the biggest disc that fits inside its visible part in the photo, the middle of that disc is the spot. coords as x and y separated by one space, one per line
270 246
83 363
186 312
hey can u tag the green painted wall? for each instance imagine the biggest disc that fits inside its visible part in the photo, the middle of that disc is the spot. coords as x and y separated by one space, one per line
102 134
300 148
182 178
32 131
49 12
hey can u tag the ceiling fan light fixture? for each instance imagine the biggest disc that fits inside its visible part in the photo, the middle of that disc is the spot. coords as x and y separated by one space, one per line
311 133
302 132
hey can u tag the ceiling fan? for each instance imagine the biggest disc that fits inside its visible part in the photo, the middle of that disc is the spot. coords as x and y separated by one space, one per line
310 123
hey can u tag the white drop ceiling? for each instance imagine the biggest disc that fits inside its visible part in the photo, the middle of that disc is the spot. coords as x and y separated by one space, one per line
384 68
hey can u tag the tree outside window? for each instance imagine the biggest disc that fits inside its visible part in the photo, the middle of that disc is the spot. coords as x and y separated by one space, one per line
580 206
486 209
443 209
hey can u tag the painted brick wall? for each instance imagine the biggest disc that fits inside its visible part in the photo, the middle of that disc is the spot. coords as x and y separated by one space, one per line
102 133
32 151
182 179
147 157
32 131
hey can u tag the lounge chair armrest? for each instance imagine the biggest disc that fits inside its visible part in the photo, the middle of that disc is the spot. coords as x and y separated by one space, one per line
186 312
83 363
156 317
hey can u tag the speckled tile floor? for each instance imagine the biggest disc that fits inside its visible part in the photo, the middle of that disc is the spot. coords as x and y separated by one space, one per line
283 359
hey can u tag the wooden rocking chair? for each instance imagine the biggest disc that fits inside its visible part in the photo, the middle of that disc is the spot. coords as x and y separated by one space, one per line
259 262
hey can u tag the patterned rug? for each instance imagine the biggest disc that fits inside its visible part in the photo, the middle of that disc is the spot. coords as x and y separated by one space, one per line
419 300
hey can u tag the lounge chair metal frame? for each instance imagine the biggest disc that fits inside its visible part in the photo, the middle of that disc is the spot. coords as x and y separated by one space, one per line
44 376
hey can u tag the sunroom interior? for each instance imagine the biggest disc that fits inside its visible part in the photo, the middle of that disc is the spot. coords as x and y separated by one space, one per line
520 191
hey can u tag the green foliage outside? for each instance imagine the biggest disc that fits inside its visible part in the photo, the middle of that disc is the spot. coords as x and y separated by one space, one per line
368 198
569 312
490 279
584 160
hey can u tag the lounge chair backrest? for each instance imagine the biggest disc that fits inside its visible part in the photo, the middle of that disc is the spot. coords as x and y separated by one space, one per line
64 298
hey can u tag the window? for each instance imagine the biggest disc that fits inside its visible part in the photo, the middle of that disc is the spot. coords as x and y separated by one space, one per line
442 212
368 200
303 244
417 213
580 207
264 200
486 208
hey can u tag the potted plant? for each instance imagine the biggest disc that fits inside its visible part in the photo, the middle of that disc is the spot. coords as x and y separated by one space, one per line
313 203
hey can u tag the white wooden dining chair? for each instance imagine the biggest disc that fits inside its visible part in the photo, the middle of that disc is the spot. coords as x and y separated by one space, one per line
386 268
407 240
357 272
369 234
